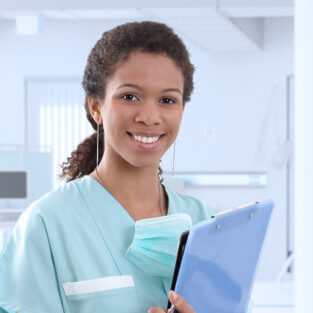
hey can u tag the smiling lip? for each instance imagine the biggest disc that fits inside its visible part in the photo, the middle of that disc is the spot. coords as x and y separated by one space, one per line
146 134
145 146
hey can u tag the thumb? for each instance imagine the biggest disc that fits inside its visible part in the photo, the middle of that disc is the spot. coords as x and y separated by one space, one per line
180 303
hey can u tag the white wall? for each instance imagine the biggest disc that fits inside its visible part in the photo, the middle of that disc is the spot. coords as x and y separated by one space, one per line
240 97
61 51
241 82
231 87
304 155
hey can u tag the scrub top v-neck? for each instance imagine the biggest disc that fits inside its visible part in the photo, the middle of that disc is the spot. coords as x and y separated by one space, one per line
66 254
97 185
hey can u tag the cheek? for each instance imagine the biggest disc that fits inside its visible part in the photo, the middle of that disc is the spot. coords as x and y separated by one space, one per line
175 121
117 121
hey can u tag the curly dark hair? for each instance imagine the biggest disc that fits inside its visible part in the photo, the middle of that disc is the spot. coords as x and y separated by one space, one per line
111 49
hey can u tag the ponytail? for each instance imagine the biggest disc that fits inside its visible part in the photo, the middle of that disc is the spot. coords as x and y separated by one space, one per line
83 160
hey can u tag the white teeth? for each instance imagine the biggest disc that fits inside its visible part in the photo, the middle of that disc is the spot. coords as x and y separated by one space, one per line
146 139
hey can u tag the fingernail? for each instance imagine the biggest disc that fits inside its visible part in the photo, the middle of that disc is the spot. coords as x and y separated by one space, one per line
175 296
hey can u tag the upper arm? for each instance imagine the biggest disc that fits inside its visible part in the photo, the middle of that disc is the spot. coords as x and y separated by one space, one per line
29 281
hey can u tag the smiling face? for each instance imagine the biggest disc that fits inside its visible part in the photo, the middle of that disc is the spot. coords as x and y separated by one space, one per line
142 108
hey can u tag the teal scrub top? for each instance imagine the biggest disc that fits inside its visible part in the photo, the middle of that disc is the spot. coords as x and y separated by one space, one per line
66 254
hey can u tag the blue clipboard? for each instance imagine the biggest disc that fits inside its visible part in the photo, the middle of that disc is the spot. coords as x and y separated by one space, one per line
218 266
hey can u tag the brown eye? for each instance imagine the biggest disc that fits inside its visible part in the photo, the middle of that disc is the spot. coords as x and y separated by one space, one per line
129 97
168 100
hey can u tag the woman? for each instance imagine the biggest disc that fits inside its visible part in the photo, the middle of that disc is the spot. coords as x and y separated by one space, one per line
106 241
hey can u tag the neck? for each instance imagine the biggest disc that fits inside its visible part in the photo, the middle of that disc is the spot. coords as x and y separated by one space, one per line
136 189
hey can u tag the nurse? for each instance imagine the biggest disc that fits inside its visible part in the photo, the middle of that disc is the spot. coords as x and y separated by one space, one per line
106 240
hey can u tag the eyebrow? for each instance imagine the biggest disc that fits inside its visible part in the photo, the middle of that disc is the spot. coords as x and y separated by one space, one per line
138 87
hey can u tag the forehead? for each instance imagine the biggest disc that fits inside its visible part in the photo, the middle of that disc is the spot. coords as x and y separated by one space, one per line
147 69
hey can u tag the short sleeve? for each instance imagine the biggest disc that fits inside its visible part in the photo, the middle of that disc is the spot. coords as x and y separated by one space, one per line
210 210
205 212
28 280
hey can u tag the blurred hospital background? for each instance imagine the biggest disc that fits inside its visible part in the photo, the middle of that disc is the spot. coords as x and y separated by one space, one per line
237 140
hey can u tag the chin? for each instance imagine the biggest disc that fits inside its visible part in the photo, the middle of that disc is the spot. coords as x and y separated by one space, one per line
144 164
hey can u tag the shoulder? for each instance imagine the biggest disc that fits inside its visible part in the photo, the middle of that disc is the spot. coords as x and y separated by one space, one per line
197 209
53 210
62 199
51 206
57 197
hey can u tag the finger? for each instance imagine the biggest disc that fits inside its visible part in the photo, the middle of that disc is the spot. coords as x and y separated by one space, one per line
156 309
180 303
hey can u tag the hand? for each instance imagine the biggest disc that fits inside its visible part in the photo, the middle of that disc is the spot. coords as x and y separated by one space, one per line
180 304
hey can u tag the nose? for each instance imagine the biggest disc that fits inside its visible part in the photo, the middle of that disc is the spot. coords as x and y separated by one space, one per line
148 113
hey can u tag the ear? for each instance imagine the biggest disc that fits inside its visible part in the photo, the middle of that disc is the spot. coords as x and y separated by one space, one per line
94 105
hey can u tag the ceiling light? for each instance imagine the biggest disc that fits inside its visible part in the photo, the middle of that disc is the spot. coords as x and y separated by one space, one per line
29 25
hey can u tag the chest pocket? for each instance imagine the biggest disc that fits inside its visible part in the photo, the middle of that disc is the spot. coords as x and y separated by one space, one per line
106 294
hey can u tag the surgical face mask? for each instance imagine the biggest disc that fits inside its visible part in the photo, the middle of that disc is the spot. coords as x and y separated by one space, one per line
155 243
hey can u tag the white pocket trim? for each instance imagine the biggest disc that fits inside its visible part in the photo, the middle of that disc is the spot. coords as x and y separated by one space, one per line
98 284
